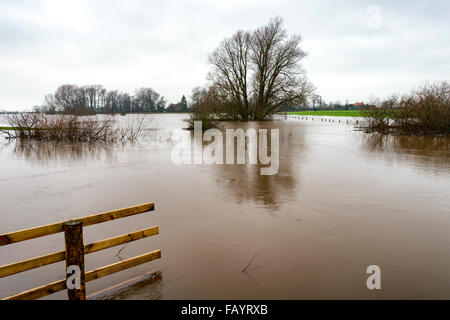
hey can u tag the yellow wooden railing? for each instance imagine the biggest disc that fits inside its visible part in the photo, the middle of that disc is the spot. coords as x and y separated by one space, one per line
75 251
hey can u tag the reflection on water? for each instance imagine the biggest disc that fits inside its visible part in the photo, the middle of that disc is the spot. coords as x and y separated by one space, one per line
246 184
431 151
48 152
45 152
341 201
147 287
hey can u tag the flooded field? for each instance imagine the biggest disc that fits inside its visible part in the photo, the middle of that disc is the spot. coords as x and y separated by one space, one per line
341 201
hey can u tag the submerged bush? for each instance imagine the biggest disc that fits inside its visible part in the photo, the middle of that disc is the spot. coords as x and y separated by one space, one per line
204 109
424 111
379 117
74 128
207 119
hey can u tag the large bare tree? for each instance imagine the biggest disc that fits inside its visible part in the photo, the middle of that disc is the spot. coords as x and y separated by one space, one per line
258 73
230 73
278 77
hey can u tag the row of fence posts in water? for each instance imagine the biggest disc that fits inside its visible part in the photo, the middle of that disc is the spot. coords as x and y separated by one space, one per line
351 122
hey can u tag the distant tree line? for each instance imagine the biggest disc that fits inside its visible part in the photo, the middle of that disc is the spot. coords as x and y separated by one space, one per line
9 112
328 106
315 102
92 99
182 106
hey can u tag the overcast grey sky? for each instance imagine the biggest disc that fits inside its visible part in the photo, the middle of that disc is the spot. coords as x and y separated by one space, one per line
164 44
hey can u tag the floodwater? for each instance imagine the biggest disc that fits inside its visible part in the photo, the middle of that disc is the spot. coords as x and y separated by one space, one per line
341 201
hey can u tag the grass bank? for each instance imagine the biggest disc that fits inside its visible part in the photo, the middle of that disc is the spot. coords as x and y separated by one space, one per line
330 113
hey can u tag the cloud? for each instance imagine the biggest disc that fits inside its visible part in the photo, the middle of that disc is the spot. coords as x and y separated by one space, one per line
164 44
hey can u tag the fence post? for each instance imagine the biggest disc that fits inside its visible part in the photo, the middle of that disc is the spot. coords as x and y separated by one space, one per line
73 234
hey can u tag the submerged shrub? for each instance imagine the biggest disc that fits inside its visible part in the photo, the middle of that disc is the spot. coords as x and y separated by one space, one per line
379 116
423 111
204 109
207 119
74 128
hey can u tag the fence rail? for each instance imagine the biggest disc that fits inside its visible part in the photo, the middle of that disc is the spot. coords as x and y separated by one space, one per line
75 251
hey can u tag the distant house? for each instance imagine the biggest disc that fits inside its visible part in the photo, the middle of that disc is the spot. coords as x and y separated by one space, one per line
358 104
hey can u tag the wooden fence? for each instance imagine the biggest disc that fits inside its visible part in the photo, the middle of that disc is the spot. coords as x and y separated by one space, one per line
75 251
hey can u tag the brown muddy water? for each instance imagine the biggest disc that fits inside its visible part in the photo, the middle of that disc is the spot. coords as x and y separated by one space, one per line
341 201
